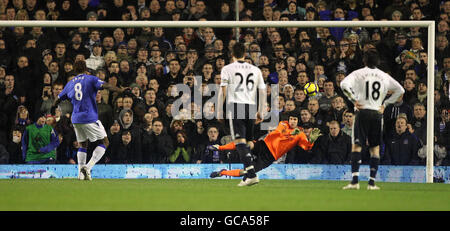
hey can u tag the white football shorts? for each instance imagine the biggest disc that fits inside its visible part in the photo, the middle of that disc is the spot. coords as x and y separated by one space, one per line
92 131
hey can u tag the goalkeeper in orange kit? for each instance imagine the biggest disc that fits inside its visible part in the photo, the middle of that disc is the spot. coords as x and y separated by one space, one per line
277 143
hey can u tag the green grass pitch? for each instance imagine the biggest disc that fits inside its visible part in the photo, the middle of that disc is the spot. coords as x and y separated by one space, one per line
216 195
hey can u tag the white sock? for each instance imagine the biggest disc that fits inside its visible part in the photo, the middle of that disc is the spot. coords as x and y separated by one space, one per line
96 155
81 157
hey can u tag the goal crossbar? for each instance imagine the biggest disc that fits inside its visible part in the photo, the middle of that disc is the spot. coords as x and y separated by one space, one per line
219 24
264 24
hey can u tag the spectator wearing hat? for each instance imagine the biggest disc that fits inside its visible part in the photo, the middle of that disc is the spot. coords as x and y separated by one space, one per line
127 122
141 70
23 118
405 61
422 92
401 44
208 54
310 13
47 57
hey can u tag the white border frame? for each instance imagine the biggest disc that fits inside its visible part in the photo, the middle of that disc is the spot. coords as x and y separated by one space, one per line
248 24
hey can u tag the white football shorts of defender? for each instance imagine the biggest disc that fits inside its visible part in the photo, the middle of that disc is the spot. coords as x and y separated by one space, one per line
92 131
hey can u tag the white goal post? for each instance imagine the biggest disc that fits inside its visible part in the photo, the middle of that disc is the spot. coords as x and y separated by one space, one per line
264 24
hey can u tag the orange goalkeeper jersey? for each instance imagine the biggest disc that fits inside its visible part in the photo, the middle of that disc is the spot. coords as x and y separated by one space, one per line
280 141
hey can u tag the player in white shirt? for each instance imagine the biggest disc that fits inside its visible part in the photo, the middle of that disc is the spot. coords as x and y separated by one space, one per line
367 89
240 82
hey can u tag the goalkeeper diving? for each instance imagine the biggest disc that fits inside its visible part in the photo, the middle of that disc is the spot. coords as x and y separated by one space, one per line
286 136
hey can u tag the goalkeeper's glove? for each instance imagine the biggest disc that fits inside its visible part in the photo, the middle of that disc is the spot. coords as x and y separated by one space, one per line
296 131
314 135
214 147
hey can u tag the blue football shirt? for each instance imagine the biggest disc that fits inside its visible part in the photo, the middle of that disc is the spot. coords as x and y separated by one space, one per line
82 91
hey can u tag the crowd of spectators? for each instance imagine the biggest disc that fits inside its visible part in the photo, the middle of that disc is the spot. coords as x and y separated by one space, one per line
37 62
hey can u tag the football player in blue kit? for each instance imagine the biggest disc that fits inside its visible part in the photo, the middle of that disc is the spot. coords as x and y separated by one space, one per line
82 91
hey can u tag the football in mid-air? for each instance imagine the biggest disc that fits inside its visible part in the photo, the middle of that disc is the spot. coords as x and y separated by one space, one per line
311 89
